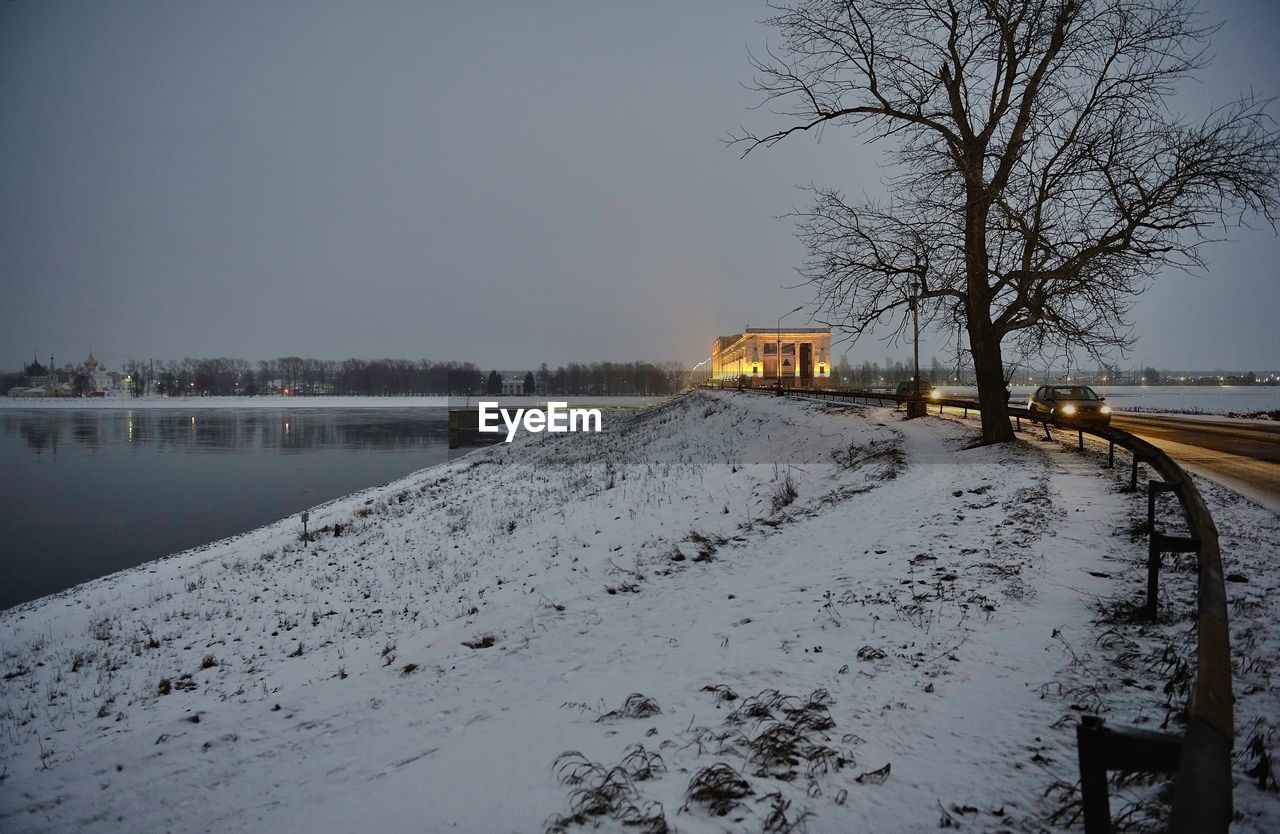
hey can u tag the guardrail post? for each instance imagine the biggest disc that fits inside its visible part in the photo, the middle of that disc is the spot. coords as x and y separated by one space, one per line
1081 439
1018 419
1153 554
1045 425
1154 548
1090 748
1102 749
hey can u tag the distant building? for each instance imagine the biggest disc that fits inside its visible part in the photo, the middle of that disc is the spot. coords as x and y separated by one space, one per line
42 381
513 386
98 380
798 357
89 379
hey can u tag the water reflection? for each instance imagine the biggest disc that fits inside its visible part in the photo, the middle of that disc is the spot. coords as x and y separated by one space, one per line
222 431
78 486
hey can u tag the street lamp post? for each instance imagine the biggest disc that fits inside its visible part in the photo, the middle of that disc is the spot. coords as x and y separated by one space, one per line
915 408
778 357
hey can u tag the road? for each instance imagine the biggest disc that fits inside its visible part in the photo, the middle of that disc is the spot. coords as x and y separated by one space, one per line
1241 454
1244 455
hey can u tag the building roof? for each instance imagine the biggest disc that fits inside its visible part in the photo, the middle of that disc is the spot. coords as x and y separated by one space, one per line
723 342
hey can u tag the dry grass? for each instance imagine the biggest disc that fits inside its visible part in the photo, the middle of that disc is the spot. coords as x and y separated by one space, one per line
722 692
635 706
784 493
777 820
719 787
601 791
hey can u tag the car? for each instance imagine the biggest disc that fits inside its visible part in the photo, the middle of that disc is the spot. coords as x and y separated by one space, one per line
1070 405
907 388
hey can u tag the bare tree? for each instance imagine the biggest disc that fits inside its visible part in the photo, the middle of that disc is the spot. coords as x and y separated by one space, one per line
1043 177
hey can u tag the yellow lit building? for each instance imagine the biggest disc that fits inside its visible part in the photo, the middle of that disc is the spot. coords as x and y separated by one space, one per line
799 357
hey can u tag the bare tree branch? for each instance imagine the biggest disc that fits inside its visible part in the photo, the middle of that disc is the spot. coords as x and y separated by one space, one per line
1047 182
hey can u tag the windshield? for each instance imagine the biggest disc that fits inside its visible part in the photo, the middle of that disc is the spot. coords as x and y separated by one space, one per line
1075 392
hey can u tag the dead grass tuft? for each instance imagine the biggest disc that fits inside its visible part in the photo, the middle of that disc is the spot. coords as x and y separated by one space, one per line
777 821
100 628
641 764
647 819
784 494
636 706
609 791
775 752
719 787
722 692
874 777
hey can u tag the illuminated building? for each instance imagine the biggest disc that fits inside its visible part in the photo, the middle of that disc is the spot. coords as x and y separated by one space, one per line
752 357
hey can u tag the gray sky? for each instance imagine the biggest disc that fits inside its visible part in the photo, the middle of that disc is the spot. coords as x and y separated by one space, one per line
507 183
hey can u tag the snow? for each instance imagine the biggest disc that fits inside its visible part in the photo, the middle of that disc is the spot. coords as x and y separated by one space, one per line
917 604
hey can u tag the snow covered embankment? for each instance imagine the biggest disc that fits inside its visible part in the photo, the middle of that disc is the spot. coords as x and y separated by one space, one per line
724 613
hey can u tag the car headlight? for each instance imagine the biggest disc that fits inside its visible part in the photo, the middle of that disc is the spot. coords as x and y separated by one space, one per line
1106 409
1068 409
937 395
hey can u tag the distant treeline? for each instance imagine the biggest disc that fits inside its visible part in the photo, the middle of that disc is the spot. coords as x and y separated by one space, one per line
612 379
299 376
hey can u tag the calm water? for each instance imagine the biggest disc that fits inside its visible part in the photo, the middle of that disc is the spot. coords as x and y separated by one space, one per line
87 493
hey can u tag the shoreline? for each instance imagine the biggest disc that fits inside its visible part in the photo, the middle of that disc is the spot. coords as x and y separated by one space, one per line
271 402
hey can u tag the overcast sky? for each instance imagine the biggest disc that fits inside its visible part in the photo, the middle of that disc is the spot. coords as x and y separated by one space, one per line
506 183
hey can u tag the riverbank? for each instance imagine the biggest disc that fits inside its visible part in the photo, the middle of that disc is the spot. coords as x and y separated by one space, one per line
90 492
849 619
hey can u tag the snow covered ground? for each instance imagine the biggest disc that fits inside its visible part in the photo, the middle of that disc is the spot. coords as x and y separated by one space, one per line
787 612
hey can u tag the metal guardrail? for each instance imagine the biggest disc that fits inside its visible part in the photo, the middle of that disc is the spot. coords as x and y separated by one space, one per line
1201 756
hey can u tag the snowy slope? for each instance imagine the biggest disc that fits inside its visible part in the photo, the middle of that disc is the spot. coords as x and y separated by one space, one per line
655 598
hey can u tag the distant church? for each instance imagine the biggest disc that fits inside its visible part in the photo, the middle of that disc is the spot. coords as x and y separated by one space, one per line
90 379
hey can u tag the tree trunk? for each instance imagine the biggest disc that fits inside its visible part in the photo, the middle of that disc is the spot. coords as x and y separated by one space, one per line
984 343
989 367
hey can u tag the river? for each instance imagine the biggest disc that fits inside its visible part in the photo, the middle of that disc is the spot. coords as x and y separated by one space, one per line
85 493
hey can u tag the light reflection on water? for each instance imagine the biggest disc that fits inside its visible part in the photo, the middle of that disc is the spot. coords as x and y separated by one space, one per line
87 493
